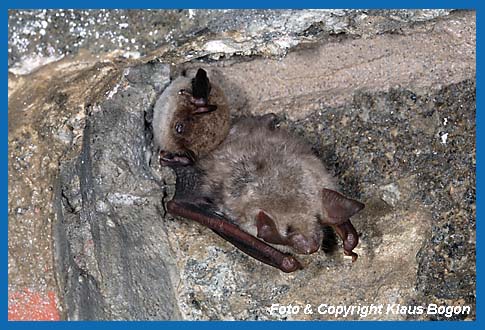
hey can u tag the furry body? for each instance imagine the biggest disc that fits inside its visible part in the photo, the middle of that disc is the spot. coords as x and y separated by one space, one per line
258 168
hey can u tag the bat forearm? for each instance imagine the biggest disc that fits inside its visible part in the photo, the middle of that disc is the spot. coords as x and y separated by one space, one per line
239 238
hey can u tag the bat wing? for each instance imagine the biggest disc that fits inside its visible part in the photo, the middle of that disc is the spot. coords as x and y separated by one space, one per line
234 235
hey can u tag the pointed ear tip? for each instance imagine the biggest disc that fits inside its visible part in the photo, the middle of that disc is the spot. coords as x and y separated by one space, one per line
201 71
356 207
261 215
360 206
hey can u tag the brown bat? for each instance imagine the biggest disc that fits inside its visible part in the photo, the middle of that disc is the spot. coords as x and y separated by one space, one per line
272 191
190 119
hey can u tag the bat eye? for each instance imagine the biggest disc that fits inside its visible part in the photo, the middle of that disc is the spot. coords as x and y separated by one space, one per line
179 127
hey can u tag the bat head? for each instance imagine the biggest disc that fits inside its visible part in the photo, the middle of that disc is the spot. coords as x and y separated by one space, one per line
181 146
192 121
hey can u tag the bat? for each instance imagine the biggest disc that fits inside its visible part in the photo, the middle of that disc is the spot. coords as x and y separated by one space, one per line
274 193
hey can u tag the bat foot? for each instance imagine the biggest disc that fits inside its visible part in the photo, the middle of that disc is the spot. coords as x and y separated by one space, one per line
349 236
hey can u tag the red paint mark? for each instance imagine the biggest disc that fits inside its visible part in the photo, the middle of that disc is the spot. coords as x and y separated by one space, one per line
32 306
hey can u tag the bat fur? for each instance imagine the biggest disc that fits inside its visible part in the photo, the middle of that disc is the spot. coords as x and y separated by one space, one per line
272 186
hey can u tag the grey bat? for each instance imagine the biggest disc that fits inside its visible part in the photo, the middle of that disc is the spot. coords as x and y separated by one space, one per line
269 185
190 119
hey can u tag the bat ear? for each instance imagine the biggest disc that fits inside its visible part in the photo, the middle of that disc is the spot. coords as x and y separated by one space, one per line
201 86
267 229
337 207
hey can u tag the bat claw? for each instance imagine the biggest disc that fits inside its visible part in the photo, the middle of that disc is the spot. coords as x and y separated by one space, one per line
351 254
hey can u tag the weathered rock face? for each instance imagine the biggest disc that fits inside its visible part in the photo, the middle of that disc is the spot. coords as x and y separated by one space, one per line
111 242
46 123
393 120
39 35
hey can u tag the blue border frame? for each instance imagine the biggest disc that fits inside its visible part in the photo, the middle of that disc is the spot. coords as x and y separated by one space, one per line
364 4
90 4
